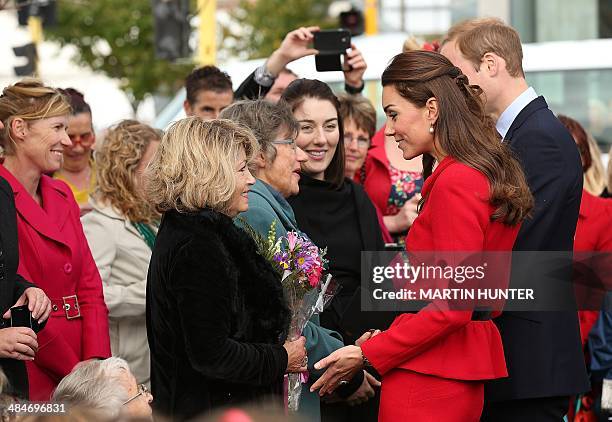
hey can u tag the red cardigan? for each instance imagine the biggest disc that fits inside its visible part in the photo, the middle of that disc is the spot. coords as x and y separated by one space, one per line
54 255
593 233
377 183
455 217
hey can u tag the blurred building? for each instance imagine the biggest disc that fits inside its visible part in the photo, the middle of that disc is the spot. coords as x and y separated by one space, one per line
536 20
581 90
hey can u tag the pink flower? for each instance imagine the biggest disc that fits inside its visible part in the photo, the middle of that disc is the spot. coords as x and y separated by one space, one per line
292 238
314 277
313 280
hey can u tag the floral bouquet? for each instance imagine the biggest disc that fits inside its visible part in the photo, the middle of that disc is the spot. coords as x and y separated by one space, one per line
301 264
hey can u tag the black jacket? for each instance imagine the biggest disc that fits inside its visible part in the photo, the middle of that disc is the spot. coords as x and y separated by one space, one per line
216 317
12 285
543 349
249 89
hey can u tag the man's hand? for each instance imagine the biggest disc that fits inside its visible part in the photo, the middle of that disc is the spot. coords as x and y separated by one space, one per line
355 66
18 343
341 366
294 46
38 303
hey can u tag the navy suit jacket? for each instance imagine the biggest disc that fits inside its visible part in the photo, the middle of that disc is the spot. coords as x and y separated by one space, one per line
543 349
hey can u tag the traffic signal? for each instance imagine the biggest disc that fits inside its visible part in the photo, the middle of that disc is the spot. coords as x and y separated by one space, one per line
353 21
29 52
171 24
45 9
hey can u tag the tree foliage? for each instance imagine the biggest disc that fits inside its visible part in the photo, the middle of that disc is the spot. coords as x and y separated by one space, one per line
262 24
116 37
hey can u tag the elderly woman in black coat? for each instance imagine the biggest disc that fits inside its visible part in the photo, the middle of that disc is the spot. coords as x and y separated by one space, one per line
216 315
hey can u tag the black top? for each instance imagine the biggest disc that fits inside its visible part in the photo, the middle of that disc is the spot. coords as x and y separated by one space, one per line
12 285
543 349
216 317
331 220
343 220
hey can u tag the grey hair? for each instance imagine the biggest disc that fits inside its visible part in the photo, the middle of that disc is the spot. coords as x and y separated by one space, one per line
95 384
265 119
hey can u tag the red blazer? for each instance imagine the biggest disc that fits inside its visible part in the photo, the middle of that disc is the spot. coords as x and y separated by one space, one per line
593 234
455 217
55 256
377 183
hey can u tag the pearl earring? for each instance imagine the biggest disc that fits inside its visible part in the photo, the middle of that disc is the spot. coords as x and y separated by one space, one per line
431 129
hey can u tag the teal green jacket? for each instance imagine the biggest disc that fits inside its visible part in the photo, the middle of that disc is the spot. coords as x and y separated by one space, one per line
266 204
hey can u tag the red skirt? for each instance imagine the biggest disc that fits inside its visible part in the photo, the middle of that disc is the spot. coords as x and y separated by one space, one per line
410 396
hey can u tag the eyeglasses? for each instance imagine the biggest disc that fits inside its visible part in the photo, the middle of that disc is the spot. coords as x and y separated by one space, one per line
285 142
361 141
85 139
142 390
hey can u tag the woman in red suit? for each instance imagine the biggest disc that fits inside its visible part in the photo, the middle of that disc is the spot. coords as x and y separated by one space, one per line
593 227
434 362
52 247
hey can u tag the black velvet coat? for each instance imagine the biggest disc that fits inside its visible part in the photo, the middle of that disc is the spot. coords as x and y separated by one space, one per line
12 285
216 317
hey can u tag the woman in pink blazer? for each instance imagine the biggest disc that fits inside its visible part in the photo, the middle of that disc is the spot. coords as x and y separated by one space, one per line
52 247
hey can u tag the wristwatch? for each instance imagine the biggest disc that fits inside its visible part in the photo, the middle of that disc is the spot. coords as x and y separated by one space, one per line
366 362
263 76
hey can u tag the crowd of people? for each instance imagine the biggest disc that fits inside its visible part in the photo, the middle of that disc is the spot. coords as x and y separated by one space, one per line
133 252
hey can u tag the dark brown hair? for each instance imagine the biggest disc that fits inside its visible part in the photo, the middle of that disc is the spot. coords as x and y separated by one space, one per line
77 101
206 78
580 136
462 129
294 95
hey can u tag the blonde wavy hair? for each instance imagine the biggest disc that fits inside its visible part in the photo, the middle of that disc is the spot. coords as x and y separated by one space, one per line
595 176
195 164
28 99
117 163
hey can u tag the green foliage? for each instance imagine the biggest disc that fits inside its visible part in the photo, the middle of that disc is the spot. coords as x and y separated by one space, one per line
265 245
127 28
264 23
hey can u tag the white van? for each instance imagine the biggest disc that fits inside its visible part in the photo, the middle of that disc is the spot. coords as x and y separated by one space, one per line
574 76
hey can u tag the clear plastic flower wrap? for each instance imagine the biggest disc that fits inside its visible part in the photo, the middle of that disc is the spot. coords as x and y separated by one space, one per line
307 290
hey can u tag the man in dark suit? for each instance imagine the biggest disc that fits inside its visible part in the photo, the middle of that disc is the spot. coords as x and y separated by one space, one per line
17 344
543 349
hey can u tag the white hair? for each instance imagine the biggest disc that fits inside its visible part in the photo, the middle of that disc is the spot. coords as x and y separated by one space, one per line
95 384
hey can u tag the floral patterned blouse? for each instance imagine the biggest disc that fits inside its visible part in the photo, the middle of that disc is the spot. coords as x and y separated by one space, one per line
404 185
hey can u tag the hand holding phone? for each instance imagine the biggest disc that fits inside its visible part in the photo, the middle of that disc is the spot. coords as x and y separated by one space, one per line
331 44
354 67
36 299
22 317
18 343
